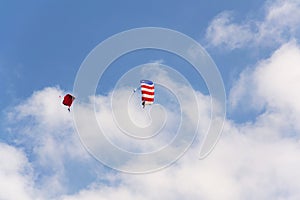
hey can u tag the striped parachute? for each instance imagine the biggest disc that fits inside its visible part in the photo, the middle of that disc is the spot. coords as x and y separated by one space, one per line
147 89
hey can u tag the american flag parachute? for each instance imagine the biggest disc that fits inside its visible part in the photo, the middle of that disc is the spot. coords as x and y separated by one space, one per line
147 89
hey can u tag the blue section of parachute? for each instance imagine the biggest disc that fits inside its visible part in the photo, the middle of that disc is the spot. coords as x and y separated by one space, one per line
147 82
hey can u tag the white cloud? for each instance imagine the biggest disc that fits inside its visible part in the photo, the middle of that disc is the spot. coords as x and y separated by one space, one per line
47 123
241 167
127 108
254 160
277 78
43 127
45 106
284 13
16 178
258 160
273 85
279 25
222 31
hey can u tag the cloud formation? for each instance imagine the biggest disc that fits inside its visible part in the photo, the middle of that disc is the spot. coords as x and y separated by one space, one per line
15 174
255 160
279 25
272 85
42 129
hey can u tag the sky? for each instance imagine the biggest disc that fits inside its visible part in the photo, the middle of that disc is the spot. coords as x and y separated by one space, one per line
47 152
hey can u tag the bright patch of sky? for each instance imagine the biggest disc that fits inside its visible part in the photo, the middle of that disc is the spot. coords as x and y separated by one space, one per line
254 45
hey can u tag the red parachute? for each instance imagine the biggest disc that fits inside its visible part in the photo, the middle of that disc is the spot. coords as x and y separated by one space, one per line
68 100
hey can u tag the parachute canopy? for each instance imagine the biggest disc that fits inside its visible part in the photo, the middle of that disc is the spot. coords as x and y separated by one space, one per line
147 89
68 100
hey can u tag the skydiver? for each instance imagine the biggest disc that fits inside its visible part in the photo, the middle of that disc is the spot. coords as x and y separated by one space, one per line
143 103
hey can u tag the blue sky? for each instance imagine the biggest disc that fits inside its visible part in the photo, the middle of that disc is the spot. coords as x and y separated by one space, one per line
45 42
255 47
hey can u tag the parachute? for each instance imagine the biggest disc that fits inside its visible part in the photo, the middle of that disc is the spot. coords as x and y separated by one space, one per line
68 100
147 89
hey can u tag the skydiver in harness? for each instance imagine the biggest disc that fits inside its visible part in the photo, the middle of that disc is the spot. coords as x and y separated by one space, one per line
134 90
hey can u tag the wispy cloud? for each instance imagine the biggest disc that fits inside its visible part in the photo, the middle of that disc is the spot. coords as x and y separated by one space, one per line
222 31
279 24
